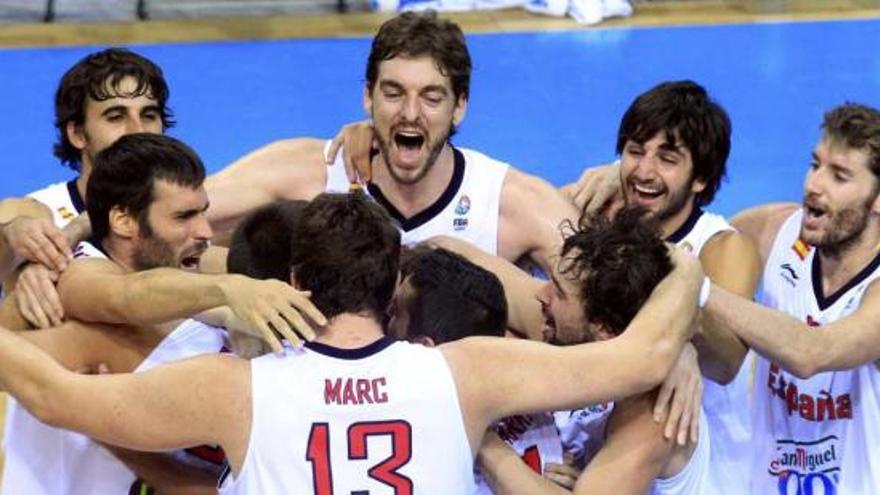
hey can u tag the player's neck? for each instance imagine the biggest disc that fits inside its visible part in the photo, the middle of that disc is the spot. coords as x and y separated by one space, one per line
839 267
410 199
350 331
119 251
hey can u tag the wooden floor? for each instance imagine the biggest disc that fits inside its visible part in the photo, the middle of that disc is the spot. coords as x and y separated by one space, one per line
647 14
347 25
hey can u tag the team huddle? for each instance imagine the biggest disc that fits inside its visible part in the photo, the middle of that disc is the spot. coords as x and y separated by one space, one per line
384 312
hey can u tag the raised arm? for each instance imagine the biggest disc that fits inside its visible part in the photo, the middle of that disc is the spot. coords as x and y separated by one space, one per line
531 215
731 261
518 376
799 348
288 169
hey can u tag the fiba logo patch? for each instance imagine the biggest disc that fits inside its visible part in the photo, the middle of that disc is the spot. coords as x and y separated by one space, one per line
461 209
464 205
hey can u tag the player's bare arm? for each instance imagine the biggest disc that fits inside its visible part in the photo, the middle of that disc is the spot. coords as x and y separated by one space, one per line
287 169
730 260
532 212
516 372
801 349
170 407
100 290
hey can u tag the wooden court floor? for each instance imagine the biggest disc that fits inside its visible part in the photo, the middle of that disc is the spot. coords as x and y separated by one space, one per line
647 15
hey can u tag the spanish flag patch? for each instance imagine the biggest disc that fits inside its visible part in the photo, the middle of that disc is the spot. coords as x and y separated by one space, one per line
801 248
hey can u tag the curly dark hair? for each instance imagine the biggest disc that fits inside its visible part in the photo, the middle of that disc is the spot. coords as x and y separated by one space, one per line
617 263
346 251
98 76
415 34
858 127
683 109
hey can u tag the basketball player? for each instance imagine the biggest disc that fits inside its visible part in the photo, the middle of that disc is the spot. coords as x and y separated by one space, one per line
417 90
105 95
353 410
147 204
817 397
673 143
432 282
606 271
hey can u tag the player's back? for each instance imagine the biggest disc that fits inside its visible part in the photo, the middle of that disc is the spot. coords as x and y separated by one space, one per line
380 419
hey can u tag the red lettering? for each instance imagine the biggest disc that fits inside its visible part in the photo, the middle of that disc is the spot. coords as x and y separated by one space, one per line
807 407
331 391
363 391
379 395
351 391
844 407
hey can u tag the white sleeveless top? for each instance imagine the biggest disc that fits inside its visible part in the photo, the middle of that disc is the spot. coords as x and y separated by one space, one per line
52 461
820 435
374 419
727 407
468 209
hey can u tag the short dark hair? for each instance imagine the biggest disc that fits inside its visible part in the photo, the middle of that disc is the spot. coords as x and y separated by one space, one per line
453 298
617 263
98 76
260 245
683 109
858 127
126 172
346 251
416 34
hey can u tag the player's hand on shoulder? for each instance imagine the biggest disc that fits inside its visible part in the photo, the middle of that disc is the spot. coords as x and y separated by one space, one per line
37 297
597 190
357 142
38 240
270 306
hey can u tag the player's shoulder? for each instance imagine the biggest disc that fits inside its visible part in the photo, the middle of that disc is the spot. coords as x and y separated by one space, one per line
770 216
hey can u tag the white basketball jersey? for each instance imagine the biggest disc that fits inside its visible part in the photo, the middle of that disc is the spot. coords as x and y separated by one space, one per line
728 407
63 199
535 439
383 419
52 461
820 435
468 209
694 479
